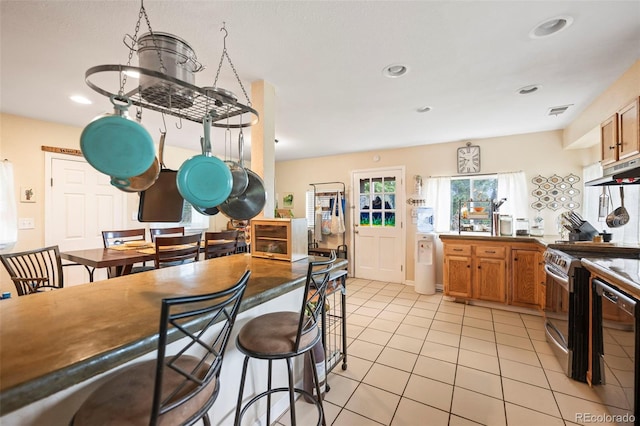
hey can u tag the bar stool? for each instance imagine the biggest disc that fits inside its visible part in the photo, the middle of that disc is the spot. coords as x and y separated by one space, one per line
285 335
174 389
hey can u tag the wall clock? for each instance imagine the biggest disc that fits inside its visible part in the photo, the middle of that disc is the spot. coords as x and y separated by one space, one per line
469 159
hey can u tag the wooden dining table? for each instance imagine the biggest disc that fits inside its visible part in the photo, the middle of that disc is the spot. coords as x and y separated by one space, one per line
122 260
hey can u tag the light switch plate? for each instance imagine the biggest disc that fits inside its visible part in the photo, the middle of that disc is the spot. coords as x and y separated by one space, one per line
26 223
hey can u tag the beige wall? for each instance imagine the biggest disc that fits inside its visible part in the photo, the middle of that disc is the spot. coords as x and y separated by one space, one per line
535 154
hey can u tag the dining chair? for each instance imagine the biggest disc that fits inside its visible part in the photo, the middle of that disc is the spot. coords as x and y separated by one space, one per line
171 251
217 244
177 389
177 230
285 335
121 237
35 271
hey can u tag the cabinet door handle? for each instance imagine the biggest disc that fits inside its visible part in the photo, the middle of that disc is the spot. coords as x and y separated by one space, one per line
479 267
491 251
457 249
515 259
612 147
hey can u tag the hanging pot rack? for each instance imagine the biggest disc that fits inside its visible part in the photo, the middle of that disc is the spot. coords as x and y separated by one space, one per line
220 104
168 94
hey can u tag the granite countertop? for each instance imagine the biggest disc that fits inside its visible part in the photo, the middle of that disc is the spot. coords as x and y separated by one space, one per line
56 339
622 273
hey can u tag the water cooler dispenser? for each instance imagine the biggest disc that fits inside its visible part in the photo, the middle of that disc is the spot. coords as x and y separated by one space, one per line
425 270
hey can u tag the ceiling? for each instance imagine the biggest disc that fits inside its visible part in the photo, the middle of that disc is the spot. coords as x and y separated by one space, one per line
466 61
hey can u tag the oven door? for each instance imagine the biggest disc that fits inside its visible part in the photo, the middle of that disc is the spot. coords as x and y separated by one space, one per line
557 317
615 347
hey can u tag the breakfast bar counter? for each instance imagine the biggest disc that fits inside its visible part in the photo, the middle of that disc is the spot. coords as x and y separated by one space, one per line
53 340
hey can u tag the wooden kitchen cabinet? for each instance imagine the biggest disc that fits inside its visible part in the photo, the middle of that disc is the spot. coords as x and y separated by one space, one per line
502 272
457 270
525 277
282 239
620 135
490 274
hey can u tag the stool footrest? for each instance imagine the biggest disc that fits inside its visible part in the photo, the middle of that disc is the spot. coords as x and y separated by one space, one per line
281 389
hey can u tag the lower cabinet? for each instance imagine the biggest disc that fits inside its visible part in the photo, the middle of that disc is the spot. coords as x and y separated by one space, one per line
526 277
490 281
500 272
457 273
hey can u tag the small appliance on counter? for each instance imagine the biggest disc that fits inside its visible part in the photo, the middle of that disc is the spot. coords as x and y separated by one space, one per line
579 229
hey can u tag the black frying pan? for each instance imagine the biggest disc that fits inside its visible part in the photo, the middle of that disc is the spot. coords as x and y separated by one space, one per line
162 201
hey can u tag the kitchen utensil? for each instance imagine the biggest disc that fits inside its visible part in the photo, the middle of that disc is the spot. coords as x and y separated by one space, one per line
162 201
116 145
204 180
251 202
169 55
620 216
603 204
143 181
209 211
239 174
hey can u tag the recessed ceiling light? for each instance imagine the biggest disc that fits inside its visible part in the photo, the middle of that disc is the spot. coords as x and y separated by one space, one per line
395 70
132 74
527 90
424 109
551 26
80 99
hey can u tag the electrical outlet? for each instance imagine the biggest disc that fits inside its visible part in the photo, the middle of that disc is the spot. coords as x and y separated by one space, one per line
26 223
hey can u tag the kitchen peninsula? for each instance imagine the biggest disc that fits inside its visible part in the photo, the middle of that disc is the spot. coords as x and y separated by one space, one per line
54 340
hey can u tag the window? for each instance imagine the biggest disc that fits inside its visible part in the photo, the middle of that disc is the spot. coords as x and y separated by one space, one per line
480 188
192 220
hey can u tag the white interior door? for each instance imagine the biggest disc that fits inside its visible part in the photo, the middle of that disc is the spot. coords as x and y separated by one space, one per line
81 204
379 247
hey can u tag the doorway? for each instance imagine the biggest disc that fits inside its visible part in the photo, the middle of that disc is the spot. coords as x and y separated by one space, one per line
80 203
378 224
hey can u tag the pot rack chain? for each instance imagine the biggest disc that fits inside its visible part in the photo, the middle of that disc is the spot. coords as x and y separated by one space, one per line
226 54
134 40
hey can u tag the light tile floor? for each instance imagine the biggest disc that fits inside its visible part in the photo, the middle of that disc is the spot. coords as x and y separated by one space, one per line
421 360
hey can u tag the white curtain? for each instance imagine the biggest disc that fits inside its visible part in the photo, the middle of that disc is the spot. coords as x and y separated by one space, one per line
438 196
8 208
513 187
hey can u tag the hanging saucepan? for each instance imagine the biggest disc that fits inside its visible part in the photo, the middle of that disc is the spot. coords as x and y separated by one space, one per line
145 180
240 178
620 216
204 180
247 205
117 145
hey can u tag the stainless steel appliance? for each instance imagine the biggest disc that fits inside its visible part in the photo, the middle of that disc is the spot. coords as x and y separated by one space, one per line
616 346
567 311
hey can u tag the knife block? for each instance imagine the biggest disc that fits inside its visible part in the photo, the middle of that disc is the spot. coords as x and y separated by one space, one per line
585 232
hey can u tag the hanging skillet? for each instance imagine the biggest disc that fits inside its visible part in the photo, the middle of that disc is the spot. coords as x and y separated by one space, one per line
117 145
143 181
252 201
204 180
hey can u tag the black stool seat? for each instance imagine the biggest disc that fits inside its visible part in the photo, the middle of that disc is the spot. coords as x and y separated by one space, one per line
126 398
274 335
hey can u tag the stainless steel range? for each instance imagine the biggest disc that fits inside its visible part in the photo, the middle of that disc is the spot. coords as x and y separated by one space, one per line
567 311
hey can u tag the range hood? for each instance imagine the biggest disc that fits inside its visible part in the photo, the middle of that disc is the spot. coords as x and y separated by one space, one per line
626 173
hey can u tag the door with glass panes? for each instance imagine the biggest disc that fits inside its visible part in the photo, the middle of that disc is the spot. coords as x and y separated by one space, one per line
378 225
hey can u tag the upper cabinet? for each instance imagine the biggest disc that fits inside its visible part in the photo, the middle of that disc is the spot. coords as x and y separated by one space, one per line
619 135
